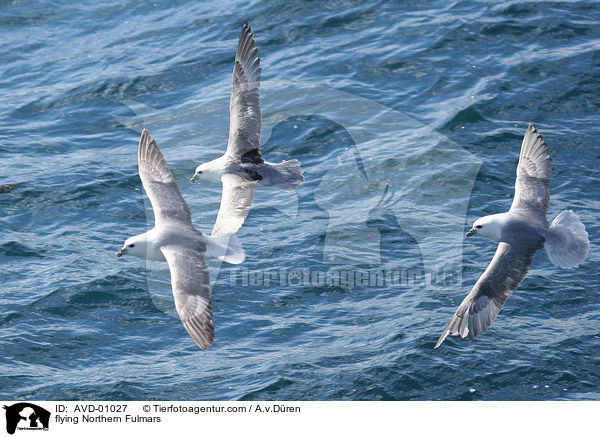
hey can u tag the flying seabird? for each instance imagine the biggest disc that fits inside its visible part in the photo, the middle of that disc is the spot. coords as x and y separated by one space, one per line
242 167
520 232
175 240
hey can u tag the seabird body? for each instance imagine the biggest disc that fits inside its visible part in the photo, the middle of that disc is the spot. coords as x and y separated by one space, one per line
175 240
243 167
520 232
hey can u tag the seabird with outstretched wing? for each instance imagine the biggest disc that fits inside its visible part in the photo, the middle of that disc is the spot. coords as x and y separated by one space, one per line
174 239
520 232
243 167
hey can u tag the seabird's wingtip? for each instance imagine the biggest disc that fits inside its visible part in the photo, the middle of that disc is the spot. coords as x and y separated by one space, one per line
202 336
145 137
204 344
531 129
441 339
246 30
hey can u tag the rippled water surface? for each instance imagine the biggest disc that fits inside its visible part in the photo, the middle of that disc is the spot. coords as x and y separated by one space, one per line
407 117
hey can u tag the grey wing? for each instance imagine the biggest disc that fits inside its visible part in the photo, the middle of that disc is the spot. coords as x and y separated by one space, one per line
244 106
481 306
236 199
190 284
532 187
164 195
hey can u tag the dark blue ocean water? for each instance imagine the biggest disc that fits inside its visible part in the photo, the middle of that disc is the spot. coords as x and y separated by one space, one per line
407 117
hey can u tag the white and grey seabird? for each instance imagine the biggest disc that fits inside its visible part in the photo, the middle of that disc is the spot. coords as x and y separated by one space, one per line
175 240
243 167
520 232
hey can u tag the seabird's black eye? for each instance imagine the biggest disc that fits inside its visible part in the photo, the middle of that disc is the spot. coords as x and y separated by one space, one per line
478 226
132 245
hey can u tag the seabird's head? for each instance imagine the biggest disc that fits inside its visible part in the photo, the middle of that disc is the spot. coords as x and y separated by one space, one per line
206 172
489 226
197 174
135 246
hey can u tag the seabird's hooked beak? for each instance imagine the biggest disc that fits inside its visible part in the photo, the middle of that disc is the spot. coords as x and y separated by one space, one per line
471 232
119 253
195 177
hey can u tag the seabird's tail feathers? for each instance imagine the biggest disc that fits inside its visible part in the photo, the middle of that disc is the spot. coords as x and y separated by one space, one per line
226 247
567 243
291 175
